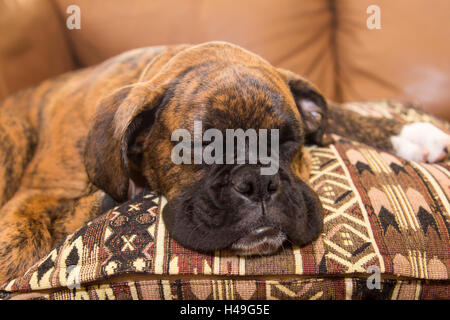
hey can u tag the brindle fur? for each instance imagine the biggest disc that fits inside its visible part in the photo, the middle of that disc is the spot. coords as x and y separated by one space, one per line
59 137
369 130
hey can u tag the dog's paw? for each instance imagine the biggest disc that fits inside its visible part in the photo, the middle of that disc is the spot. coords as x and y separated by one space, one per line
421 141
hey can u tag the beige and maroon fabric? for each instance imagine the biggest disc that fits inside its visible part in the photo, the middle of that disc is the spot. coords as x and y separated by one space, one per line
382 213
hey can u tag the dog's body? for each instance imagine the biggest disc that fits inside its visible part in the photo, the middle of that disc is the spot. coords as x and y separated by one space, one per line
67 141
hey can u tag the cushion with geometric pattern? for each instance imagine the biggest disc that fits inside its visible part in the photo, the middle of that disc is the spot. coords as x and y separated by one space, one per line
385 236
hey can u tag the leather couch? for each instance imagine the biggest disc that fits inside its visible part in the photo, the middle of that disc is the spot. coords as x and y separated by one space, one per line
329 42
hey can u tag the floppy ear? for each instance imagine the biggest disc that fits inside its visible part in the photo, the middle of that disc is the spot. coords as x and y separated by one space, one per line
311 105
118 119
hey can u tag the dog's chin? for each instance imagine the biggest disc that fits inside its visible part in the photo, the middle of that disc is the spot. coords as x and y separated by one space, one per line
260 241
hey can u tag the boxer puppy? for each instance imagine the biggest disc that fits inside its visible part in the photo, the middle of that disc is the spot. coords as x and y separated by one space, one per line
70 144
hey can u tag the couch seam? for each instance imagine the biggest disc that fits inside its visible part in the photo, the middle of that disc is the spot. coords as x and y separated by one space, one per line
69 43
334 24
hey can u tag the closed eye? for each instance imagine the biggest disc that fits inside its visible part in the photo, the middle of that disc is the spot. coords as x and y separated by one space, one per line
289 134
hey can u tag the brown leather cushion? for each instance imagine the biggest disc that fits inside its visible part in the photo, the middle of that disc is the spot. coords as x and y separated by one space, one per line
32 44
408 58
293 34
326 41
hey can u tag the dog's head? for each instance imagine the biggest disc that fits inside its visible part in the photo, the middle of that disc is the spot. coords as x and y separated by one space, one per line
215 206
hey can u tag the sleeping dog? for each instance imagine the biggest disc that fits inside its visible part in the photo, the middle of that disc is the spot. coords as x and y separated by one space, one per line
70 144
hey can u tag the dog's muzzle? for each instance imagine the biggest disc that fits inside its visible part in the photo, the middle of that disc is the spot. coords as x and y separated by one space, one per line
248 183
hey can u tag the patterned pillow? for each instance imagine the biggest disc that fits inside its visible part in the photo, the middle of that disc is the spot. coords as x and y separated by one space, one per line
382 214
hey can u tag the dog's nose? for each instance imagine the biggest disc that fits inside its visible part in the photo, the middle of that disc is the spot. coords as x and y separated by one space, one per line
249 182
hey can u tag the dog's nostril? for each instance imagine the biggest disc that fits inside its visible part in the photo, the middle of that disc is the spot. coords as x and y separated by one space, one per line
249 182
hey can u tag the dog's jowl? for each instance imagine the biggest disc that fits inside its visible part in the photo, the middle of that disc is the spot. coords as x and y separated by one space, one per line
88 138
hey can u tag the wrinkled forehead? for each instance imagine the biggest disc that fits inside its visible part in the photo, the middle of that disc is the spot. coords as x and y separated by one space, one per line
231 97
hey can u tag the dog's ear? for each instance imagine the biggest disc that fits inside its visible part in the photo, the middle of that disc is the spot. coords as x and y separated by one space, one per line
119 117
311 105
